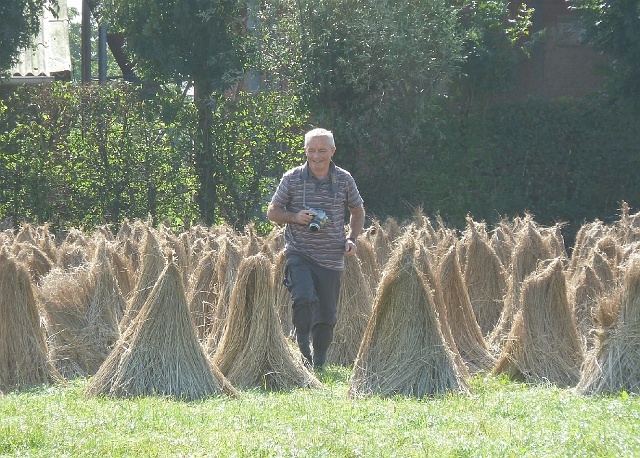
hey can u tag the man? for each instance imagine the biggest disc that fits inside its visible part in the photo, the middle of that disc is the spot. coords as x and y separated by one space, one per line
310 201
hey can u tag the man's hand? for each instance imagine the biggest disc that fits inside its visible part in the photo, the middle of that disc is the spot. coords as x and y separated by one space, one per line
281 215
350 248
304 217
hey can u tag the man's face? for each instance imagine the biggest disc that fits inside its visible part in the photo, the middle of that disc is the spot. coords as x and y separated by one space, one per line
319 153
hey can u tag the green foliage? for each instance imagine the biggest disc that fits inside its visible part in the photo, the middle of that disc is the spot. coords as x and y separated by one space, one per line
94 155
614 27
497 39
20 22
563 160
256 137
91 155
180 40
365 66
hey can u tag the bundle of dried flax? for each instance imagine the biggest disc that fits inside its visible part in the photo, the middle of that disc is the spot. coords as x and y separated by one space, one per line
354 310
462 321
202 294
153 264
403 351
614 363
82 308
159 353
544 345
486 282
253 351
23 347
529 250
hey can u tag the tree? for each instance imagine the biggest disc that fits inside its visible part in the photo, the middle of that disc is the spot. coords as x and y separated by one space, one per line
613 26
192 42
380 74
20 22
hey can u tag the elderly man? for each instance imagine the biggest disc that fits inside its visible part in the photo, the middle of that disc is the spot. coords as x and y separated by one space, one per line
311 201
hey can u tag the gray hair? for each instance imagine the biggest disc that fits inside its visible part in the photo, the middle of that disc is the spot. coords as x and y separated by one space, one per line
319 132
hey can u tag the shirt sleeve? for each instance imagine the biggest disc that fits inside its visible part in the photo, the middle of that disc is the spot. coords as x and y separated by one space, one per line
282 196
354 199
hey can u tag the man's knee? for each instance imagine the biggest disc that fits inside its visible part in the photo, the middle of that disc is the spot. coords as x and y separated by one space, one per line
302 315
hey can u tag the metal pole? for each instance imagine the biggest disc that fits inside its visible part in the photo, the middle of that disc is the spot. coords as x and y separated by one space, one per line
102 53
86 42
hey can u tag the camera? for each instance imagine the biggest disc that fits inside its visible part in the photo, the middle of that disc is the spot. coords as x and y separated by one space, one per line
319 219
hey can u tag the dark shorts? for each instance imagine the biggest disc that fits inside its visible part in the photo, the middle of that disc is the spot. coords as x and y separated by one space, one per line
314 291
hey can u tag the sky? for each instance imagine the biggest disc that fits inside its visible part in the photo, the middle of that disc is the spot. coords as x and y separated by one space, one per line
77 4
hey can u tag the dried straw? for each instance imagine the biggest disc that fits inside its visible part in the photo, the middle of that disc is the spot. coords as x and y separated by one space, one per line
391 229
125 231
175 249
229 257
251 245
159 353
543 345
486 282
275 240
47 242
474 230
403 351
26 234
202 295
554 240
34 259
368 263
587 290
502 242
71 256
82 308
614 363
586 239
253 351
354 310
104 231
383 237
282 296
153 263
424 261
462 321
23 347
529 250
603 269
122 269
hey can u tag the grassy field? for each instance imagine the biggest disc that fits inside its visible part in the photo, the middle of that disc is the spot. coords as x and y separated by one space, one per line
499 418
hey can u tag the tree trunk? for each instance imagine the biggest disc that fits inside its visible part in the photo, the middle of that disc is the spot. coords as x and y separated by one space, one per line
116 46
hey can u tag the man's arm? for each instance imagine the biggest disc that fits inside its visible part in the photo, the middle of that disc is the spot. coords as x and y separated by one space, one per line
356 223
281 215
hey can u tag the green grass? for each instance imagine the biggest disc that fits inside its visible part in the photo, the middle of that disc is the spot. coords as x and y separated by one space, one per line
499 418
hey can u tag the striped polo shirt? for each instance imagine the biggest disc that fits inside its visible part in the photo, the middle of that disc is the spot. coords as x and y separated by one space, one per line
326 246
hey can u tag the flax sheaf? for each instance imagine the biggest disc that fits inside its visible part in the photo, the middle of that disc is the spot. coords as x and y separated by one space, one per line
354 310
159 353
613 365
24 360
544 345
403 351
253 351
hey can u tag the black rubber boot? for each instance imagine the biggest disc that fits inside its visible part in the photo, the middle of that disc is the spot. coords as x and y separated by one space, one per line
305 348
322 335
